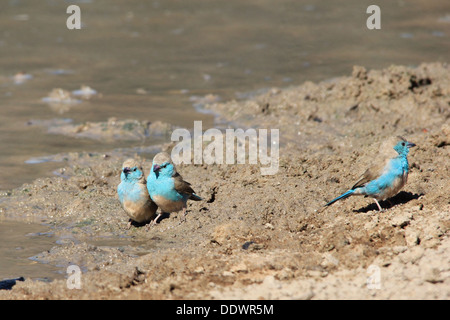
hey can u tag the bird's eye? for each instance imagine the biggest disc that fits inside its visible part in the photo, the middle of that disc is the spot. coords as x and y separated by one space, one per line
403 144
134 169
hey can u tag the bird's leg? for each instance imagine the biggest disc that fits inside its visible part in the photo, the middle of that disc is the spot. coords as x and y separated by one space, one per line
183 216
155 220
129 224
379 207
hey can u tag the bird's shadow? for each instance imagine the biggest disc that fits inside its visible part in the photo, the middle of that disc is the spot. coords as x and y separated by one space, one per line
137 224
164 215
401 198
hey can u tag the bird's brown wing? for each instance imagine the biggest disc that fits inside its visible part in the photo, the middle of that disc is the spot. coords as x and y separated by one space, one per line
182 186
374 171
365 178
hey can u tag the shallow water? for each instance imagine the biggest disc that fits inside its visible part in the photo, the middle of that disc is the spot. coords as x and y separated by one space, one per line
148 59
24 250
19 242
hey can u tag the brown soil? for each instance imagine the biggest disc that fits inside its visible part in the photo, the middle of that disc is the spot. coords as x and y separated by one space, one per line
269 237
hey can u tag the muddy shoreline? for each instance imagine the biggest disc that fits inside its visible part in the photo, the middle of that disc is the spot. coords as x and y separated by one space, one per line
267 237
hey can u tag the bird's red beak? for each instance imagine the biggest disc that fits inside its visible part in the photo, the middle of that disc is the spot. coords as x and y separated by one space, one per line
126 170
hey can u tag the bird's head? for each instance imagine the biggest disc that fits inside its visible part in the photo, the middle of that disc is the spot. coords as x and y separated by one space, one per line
132 171
402 146
165 169
163 165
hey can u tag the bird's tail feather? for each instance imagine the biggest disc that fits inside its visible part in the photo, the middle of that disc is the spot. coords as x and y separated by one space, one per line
195 197
342 196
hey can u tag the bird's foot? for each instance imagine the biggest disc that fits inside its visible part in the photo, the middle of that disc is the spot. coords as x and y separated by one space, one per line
183 216
153 222
379 207
150 224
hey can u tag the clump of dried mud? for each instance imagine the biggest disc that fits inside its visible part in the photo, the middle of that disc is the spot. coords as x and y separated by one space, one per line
268 237
113 129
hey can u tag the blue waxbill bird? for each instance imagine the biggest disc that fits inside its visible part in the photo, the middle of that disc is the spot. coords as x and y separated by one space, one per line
133 193
167 188
384 179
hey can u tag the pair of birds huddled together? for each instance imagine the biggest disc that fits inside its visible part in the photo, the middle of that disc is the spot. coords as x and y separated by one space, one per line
167 190
164 188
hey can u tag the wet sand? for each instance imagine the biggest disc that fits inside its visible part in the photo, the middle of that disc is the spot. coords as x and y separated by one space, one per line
268 237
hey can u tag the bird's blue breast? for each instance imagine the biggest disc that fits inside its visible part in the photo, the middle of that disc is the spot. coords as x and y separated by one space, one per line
129 191
391 177
163 187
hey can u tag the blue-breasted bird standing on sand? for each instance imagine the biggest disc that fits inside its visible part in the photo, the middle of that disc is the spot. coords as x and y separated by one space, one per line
167 188
385 177
133 194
